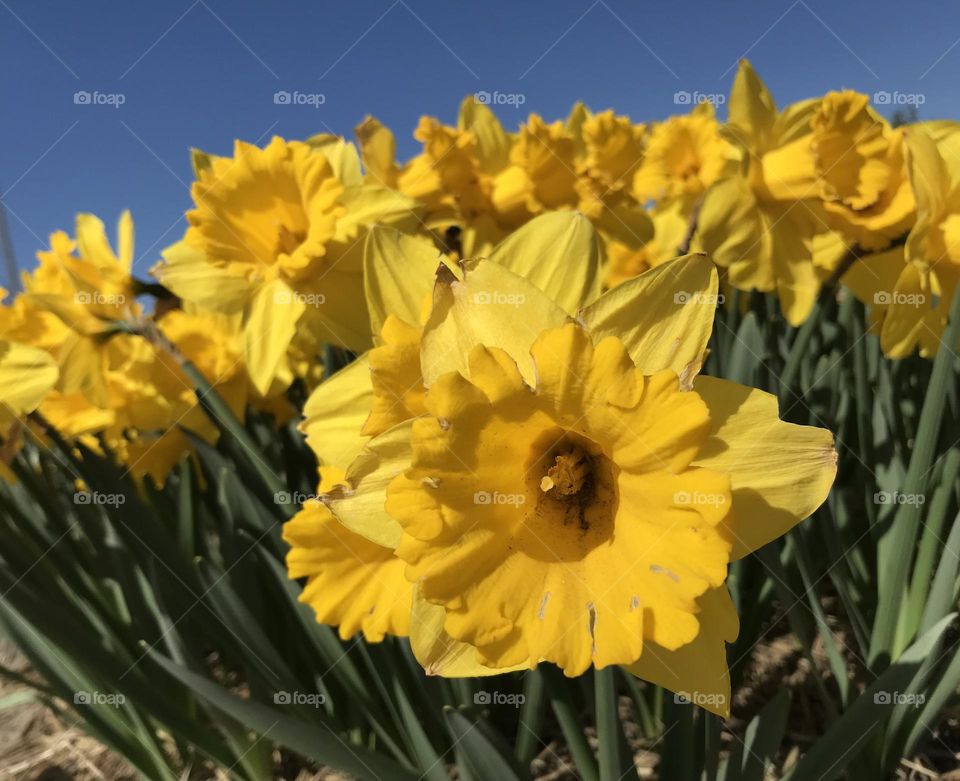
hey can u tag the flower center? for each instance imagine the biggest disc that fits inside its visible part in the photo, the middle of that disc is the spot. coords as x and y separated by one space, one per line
571 485
288 240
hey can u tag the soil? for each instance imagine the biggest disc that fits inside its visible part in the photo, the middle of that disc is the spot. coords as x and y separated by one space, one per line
36 745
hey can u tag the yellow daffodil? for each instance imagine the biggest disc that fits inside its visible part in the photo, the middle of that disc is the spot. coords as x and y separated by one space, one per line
613 149
276 233
683 157
541 174
765 223
570 490
860 168
912 296
455 177
74 301
385 387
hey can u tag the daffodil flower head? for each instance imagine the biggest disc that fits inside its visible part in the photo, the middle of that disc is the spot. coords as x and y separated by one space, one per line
533 488
910 288
861 169
614 148
764 223
684 155
541 174
277 235
572 491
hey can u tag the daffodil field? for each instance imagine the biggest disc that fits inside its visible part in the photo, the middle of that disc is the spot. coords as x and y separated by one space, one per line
595 449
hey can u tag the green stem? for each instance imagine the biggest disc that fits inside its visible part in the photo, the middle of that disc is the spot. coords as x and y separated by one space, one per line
898 540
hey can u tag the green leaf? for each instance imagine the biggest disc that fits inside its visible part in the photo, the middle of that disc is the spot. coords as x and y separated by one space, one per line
901 536
763 737
480 750
941 598
531 717
847 737
317 742
615 762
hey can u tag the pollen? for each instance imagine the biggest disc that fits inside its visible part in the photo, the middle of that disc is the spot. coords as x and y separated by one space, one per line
569 473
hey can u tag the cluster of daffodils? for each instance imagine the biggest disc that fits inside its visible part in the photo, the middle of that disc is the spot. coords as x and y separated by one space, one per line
524 470
524 463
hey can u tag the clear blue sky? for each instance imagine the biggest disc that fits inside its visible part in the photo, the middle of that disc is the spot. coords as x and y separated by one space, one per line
203 72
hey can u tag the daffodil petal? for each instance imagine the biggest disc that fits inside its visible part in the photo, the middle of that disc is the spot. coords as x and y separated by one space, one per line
336 411
493 145
780 473
26 375
440 654
342 156
359 504
399 272
732 231
664 316
371 204
559 253
698 670
378 151
490 305
352 583
92 240
187 273
752 111
125 237
797 279
903 322
271 323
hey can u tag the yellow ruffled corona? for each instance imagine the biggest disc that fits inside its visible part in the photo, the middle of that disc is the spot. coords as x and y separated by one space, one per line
277 235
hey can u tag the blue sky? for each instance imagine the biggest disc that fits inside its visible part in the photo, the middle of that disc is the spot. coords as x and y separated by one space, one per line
199 73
